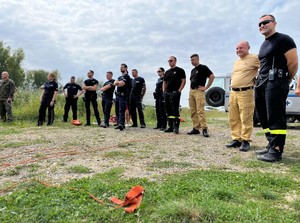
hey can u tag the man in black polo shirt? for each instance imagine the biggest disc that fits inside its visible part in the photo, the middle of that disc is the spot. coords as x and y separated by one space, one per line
138 90
199 74
107 97
90 86
174 82
73 92
123 85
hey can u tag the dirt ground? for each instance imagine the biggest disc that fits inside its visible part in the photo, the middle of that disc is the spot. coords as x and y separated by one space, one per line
49 153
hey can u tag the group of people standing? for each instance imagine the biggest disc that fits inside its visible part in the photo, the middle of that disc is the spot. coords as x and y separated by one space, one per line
267 76
257 81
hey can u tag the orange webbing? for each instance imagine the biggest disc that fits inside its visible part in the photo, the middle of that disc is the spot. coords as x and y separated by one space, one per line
132 198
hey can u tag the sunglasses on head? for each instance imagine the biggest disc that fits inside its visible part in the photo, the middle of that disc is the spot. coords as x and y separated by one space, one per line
264 22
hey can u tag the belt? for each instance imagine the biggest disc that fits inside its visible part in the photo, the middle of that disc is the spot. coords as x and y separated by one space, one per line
242 89
194 88
120 93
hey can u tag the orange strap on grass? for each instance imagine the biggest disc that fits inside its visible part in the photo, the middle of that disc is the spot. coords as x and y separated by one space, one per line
132 199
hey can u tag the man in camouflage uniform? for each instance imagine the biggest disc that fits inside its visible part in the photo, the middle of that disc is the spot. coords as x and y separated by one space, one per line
7 90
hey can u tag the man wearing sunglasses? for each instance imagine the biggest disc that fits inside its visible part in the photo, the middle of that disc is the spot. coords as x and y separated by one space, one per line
173 83
278 65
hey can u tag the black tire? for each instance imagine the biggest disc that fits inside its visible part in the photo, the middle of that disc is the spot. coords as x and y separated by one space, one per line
291 119
215 96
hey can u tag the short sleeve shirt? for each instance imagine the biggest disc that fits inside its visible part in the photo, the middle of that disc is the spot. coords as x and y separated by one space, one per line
49 88
110 92
137 86
90 82
173 78
127 87
72 89
244 71
199 76
273 49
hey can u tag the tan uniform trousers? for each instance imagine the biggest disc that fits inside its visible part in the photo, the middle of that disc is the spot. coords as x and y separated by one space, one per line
241 109
197 103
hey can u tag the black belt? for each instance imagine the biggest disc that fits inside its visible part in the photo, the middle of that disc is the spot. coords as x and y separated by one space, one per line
120 93
241 89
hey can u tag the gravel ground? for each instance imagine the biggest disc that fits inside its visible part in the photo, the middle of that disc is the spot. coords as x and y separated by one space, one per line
48 153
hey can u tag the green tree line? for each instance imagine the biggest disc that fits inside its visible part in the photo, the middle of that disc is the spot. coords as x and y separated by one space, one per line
11 60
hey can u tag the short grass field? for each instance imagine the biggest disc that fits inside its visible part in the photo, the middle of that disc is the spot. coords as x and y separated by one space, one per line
248 191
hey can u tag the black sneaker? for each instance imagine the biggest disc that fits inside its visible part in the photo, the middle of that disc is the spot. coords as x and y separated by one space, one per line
39 124
205 133
234 144
194 132
120 127
143 126
272 155
245 146
87 124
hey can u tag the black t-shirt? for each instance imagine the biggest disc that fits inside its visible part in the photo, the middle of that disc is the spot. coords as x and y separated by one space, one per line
173 78
110 92
127 87
199 76
137 86
90 82
275 47
49 88
72 89
159 84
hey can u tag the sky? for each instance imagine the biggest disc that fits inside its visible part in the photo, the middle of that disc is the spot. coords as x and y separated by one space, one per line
74 36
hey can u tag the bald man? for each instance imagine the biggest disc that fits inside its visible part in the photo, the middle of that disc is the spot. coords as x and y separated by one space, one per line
241 99
7 90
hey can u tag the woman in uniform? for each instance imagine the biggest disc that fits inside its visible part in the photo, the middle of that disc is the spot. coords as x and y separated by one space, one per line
48 98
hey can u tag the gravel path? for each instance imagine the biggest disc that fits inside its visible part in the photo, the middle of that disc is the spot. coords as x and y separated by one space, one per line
48 153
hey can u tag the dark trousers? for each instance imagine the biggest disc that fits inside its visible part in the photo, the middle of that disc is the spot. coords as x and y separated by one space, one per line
70 102
135 104
106 106
45 104
6 108
161 116
172 102
270 103
88 100
121 102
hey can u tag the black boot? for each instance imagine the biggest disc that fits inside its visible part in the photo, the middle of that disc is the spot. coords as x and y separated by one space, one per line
171 125
176 125
273 155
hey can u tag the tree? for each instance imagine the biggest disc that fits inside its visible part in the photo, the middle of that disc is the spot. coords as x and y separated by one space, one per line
11 61
35 78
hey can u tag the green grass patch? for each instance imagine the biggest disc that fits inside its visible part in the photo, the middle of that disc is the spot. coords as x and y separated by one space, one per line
197 196
22 143
169 164
116 154
79 169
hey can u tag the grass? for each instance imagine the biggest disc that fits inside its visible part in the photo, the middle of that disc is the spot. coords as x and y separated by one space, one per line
213 195
197 196
79 169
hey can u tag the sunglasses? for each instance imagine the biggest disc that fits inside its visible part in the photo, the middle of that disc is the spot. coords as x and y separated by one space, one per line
170 60
264 22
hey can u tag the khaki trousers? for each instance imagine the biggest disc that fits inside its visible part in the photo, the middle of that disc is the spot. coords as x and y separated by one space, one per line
197 103
241 109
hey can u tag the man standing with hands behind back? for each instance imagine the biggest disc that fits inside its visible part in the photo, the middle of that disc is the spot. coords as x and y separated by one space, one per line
241 99
199 74
278 65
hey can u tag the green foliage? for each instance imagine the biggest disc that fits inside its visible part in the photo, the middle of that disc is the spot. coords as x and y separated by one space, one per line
35 79
11 61
197 196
